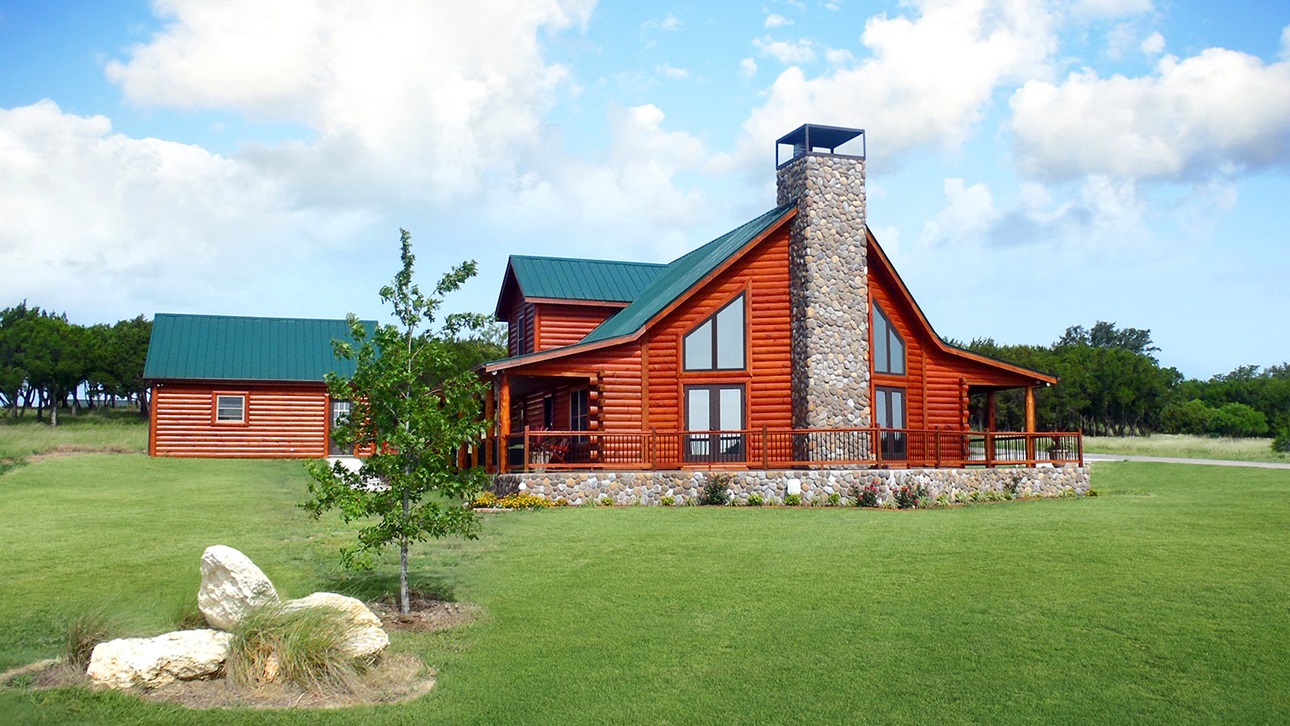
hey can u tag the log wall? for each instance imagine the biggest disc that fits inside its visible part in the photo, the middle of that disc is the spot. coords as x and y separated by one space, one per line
282 421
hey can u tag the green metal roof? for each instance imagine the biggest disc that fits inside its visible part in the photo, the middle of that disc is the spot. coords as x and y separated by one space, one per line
681 275
564 278
223 347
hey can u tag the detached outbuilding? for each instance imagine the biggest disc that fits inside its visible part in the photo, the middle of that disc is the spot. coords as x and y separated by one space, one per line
227 386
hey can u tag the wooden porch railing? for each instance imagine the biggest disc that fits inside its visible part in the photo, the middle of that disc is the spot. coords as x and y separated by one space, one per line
768 448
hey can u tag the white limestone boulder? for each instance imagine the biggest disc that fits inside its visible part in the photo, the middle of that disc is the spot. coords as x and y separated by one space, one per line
231 585
367 639
184 655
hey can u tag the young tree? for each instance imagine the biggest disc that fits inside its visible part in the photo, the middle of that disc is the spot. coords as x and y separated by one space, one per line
413 409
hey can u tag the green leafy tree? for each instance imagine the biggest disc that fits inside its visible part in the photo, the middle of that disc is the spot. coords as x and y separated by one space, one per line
1238 420
413 408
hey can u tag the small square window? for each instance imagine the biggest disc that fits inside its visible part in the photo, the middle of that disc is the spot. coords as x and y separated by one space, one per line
230 409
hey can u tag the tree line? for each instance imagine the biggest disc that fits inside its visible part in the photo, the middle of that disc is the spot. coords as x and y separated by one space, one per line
1110 383
48 363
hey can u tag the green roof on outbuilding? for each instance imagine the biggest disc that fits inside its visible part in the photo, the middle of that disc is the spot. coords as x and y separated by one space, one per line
225 347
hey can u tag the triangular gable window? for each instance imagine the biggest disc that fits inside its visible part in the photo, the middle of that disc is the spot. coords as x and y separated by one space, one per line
718 343
888 346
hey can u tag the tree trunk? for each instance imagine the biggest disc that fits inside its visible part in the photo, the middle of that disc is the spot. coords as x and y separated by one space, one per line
405 606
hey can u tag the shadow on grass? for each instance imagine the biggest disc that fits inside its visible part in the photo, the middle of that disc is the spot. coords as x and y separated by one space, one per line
368 586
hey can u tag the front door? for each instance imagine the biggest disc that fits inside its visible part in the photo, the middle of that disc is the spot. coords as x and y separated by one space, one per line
714 408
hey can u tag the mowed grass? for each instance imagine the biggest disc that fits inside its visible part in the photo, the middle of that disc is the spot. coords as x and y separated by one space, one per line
1186 447
116 431
1166 600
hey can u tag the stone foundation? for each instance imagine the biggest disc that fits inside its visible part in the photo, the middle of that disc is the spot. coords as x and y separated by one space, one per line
649 487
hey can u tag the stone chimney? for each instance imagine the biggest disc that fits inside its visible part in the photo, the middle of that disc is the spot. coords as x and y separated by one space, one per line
828 276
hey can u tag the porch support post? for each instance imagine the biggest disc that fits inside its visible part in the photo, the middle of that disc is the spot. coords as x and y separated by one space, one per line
490 415
504 423
1030 424
991 425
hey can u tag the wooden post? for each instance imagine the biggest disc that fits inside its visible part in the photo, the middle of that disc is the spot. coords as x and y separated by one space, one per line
765 455
504 424
526 448
938 447
490 414
1030 424
991 424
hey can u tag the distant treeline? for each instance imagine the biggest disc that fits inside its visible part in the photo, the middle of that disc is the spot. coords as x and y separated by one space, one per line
1112 384
47 363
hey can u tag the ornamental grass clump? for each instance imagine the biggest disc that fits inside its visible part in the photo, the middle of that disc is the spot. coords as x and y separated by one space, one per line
303 647
84 631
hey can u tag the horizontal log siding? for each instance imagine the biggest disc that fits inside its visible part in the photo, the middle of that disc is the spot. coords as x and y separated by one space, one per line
918 413
934 378
561 325
762 274
620 366
281 422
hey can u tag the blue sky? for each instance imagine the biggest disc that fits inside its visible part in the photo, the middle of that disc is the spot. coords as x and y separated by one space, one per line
1032 165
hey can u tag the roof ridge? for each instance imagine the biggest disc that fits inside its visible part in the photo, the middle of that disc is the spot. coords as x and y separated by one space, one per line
255 317
589 259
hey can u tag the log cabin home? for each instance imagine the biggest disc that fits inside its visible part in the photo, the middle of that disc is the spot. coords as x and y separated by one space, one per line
247 387
788 342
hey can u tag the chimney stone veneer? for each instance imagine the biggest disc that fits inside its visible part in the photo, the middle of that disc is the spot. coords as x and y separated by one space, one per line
828 290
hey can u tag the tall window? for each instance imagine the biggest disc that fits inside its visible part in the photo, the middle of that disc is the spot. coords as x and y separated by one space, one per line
889 410
518 330
339 415
716 409
230 409
579 411
548 413
718 343
888 346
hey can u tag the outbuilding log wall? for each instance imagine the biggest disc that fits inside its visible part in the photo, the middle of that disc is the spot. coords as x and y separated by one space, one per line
282 421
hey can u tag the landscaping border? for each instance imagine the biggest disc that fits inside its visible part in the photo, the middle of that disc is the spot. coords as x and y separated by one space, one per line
651 487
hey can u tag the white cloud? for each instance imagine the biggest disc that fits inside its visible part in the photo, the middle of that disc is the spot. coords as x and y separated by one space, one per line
434 94
1198 116
671 71
927 80
1154 44
104 224
668 23
1101 9
747 67
1285 43
801 51
775 20
969 214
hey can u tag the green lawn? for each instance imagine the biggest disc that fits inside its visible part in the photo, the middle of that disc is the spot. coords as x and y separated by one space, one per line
119 431
1166 600
1186 447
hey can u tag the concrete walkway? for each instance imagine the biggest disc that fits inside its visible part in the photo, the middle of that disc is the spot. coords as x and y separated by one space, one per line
1089 458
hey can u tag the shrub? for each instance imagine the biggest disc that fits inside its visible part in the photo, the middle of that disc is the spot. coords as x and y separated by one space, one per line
1093 492
522 501
606 501
667 501
868 496
835 500
1191 417
303 647
793 500
908 497
1281 444
716 490
84 631
755 500
1238 420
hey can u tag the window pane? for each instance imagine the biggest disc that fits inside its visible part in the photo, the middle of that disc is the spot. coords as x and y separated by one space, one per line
897 353
880 364
697 407
228 408
881 409
698 348
897 409
731 403
730 335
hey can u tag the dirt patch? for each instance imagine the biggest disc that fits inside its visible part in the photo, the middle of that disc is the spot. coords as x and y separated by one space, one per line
64 450
397 678
427 616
